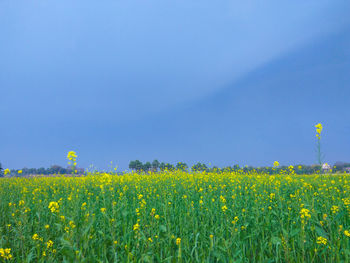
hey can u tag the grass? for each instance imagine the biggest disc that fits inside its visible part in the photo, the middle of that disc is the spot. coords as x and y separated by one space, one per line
176 217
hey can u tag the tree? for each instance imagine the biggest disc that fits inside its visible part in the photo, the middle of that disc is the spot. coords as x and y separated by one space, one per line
199 167
136 165
340 166
147 166
41 170
169 167
155 165
1 171
181 166
132 165
56 169
162 166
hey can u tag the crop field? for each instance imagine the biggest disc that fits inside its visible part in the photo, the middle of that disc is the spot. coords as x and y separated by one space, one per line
176 217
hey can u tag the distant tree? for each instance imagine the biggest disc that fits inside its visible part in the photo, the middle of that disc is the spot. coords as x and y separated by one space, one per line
132 165
169 167
55 169
155 165
1 171
41 170
199 167
181 166
340 166
147 166
136 165
236 167
215 169
162 166
80 170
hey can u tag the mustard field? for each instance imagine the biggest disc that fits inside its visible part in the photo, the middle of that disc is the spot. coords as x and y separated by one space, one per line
176 217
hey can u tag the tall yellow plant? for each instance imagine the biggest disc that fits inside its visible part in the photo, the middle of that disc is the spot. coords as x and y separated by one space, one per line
72 157
319 128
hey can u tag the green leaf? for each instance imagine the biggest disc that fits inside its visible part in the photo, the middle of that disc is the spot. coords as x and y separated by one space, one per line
276 240
162 228
294 232
320 231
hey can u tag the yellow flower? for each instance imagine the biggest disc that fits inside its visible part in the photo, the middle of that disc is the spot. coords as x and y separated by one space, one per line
5 253
103 210
71 224
136 227
319 126
53 206
211 236
304 214
49 244
321 240
347 233
224 208
35 237
47 226
178 241
115 242
335 209
20 171
157 217
7 171
276 164
72 155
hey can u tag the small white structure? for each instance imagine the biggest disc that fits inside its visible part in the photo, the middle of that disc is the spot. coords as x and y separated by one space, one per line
326 167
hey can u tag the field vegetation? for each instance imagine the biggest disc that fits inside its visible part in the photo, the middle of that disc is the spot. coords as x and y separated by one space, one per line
176 216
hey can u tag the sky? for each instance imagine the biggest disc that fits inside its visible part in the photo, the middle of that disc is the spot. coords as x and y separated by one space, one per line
228 82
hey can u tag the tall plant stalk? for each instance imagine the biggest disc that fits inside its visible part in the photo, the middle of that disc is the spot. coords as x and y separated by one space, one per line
319 128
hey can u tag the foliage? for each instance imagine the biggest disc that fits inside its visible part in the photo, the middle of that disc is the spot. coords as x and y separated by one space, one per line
199 167
72 161
54 169
319 129
181 166
226 216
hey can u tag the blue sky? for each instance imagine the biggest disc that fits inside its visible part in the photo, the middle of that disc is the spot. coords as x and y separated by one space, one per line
218 82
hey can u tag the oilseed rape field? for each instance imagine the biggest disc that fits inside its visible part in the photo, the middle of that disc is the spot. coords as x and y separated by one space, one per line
176 217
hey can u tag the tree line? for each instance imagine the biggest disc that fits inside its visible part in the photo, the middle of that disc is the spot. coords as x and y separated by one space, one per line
156 166
53 169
